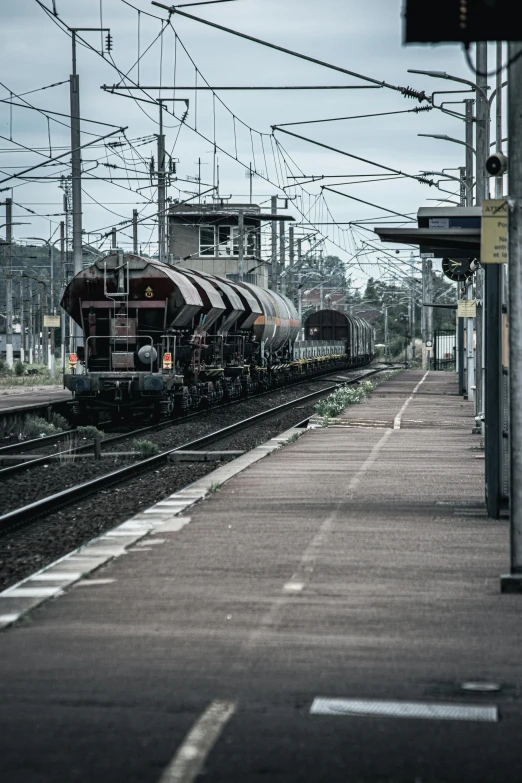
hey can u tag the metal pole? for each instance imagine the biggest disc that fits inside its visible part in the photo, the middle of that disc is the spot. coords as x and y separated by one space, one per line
241 245
281 267
482 148
22 321
386 332
291 259
113 238
273 268
51 363
76 165
30 323
9 282
161 186
429 294
493 377
513 581
299 288
76 172
43 309
62 288
135 231
423 310
460 338
469 152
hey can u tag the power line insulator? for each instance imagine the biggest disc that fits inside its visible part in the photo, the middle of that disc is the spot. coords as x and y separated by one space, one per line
108 42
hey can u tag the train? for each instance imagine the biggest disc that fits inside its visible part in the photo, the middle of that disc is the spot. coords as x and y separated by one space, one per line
155 341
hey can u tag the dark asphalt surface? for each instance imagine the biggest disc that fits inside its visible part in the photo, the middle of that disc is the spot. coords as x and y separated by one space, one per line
356 562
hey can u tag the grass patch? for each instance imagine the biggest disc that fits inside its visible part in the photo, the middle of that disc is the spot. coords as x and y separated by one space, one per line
146 448
90 433
215 487
340 399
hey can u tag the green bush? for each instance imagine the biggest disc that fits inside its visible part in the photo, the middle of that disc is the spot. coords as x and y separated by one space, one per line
90 433
60 422
336 402
19 368
35 427
146 448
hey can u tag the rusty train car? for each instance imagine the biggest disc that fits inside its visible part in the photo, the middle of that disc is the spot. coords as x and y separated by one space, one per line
155 340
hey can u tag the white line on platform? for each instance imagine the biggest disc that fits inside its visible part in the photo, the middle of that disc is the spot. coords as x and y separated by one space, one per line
188 761
375 708
397 419
293 587
302 574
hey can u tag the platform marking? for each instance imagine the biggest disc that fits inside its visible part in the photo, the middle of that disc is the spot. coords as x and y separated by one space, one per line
376 708
188 761
397 419
94 582
306 564
293 587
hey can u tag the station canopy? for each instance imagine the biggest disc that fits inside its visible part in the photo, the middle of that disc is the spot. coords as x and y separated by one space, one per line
440 232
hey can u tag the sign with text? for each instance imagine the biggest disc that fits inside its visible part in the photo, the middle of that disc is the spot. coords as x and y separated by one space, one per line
467 308
51 321
494 234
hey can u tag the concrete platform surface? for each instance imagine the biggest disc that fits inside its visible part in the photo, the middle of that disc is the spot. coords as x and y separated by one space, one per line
25 398
317 620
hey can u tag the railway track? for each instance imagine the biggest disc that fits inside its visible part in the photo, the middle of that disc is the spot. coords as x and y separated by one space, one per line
47 505
36 444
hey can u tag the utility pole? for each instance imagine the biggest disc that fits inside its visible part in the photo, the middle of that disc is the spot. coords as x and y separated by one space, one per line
22 321
469 152
161 186
299 289
494 383
135 231
241 245
513 581
291 261
63 277
273 268
482 149
31 322
113 238
281 267
9 282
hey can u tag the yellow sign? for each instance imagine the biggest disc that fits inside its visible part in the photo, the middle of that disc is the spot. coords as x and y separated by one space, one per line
51 321
149 293
494 234
466 308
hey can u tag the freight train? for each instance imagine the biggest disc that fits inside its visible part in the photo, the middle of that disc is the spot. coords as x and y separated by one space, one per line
155 340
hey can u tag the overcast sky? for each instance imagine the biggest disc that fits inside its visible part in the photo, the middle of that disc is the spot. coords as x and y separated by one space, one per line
364 36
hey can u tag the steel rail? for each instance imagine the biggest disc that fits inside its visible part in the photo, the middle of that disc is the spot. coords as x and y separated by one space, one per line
58 500
158 427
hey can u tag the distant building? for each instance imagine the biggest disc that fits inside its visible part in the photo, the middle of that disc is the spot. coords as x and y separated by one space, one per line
206 237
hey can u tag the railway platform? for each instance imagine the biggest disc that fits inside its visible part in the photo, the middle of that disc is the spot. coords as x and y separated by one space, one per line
330 613
22 400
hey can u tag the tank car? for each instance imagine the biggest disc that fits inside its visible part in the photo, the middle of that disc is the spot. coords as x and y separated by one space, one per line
157 340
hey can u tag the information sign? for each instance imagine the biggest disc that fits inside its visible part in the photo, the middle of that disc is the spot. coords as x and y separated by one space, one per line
467 308
51 321
494 236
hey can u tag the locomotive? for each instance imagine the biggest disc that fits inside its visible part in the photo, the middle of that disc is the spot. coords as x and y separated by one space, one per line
157 340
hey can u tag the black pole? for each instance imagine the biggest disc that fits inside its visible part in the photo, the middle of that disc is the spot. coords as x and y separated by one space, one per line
460 337
492 410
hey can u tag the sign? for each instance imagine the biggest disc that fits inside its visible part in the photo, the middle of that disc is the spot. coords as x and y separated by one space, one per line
428 344
427 255
51 321
167 361
73 359
438 223
494 235
149 292
467 308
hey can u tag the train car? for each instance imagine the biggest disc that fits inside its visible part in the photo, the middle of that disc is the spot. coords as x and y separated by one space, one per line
356 334
156 340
